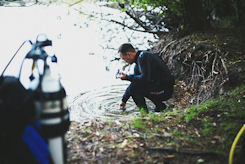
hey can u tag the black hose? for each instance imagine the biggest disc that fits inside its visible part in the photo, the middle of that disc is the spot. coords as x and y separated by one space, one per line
1 77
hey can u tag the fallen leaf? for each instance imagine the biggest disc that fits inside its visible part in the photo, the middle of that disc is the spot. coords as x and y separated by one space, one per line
170 156
217 137
124 143
136 135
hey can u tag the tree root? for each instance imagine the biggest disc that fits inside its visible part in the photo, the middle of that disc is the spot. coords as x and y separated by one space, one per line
201 65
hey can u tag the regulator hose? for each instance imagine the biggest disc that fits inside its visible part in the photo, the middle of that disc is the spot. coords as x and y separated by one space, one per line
235 143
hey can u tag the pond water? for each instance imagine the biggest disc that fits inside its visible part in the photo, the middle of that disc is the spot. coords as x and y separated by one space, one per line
84 44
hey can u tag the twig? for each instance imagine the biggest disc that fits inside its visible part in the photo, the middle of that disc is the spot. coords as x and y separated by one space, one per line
122 24
214 64
164 135
134 18
223 63
185 151
70 5
164 49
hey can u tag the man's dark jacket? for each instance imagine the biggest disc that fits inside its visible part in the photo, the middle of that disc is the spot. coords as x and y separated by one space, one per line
151 74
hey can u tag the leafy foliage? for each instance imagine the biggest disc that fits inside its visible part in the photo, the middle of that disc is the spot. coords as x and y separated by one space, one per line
190 14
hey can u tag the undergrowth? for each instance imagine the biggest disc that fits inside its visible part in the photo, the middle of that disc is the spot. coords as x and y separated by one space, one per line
211 125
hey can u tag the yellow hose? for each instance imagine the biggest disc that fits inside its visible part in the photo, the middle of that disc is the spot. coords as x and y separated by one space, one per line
235 143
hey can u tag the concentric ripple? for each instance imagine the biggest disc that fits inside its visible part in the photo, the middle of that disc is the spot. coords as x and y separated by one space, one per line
101 103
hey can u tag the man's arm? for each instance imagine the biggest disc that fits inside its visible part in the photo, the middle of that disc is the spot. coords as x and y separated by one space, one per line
130 76
144 70
126 94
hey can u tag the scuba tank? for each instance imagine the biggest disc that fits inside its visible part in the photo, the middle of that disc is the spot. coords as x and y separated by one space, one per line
50 102
54 116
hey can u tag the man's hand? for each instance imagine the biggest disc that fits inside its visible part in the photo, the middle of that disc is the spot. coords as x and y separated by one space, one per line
123 76
123 106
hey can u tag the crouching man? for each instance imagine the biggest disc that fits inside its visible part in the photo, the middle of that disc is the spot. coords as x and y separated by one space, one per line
151 79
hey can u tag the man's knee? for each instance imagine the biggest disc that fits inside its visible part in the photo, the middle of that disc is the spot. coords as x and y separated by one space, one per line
168 94
137 90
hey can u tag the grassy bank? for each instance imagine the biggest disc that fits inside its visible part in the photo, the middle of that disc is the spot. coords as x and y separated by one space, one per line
196 134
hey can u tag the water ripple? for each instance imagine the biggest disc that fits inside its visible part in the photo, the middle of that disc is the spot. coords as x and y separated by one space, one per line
101 103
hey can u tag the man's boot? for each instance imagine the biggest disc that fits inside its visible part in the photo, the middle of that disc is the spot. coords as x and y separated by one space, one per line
160 108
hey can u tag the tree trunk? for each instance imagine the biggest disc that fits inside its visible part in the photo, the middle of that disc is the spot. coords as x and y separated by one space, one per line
241 12
194 16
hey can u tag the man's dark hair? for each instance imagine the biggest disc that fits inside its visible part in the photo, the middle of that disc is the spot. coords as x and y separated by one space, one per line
126 47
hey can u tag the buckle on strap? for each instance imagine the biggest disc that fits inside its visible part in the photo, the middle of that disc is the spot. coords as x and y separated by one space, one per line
157 93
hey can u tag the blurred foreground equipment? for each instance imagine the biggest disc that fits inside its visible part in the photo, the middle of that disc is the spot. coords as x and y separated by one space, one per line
33 121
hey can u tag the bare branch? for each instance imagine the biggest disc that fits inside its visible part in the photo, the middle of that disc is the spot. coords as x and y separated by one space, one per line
131 28
140 23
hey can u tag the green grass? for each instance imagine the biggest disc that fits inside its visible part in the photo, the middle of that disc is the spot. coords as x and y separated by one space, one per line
233 104
208 126
143 111
191 113
240 114
238 90
177 132
149 160
229 126
156 117
139 124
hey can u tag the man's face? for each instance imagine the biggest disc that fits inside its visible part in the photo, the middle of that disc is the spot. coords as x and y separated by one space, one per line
128 58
